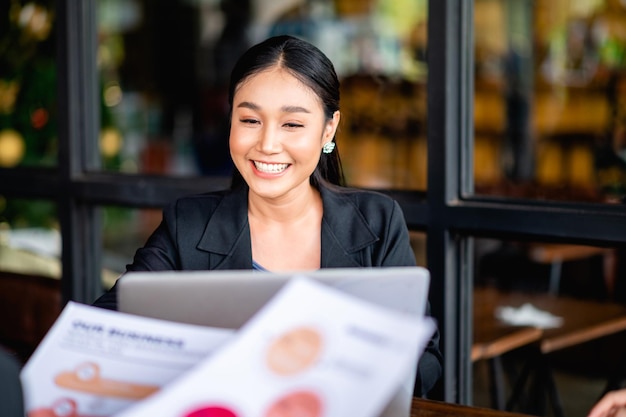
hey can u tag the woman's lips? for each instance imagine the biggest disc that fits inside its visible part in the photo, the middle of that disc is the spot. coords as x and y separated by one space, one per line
268 168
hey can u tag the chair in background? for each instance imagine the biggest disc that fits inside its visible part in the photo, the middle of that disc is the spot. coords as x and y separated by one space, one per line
29 305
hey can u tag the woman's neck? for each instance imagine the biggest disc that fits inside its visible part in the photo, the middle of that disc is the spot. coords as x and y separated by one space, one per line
286 234
287 209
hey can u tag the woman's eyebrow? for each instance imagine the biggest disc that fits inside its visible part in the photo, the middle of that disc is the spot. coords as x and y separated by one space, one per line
249 105
294 109
286 109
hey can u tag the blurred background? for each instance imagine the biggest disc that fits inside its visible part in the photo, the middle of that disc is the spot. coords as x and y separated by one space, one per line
549 92
549 121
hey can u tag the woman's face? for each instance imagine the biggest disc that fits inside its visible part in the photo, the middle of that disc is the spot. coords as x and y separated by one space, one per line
277 131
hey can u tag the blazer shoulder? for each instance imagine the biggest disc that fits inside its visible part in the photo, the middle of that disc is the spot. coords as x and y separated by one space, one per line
366 200
373 208
206 200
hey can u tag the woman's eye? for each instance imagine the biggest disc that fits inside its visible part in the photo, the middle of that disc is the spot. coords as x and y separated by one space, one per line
249 121
293 125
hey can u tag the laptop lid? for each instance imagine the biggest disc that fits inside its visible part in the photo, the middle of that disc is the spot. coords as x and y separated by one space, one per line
228 299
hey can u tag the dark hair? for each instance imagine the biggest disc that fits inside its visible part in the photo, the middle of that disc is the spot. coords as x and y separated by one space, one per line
311 67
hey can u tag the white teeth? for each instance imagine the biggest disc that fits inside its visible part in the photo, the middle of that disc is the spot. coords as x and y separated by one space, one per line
270 168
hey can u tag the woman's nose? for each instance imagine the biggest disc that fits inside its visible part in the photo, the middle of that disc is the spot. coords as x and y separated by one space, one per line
268 141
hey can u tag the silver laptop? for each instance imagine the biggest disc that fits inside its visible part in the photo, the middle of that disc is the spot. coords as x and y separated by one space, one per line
228 299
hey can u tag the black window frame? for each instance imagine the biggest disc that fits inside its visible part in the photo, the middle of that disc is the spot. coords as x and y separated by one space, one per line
448 212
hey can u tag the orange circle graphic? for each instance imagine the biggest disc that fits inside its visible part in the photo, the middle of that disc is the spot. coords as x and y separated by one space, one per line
294 351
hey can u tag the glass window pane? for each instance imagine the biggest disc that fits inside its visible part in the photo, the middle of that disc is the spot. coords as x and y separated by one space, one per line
560 301
165 67
28 113
124 230
550 114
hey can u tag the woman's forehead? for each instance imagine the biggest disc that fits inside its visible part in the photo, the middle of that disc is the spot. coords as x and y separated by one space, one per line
277 86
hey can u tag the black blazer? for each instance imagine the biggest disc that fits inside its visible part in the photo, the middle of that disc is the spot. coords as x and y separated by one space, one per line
211 231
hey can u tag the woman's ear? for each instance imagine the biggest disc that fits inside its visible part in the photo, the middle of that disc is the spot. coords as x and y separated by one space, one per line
331 127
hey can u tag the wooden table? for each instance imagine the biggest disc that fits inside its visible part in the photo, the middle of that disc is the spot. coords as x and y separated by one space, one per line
491 337
430 408
583 321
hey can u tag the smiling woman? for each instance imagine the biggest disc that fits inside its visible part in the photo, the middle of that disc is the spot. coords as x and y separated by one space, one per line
279 134
287 208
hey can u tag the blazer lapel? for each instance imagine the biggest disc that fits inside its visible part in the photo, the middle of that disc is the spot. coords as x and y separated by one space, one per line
227 234
344 232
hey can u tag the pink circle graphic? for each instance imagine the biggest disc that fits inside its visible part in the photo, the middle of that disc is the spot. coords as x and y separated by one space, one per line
296 404
211 411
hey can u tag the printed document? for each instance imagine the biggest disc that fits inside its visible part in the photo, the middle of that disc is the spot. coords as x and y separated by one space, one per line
95 362
311 351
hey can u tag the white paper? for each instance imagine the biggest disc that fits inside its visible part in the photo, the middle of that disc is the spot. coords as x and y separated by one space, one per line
312 350
95 362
